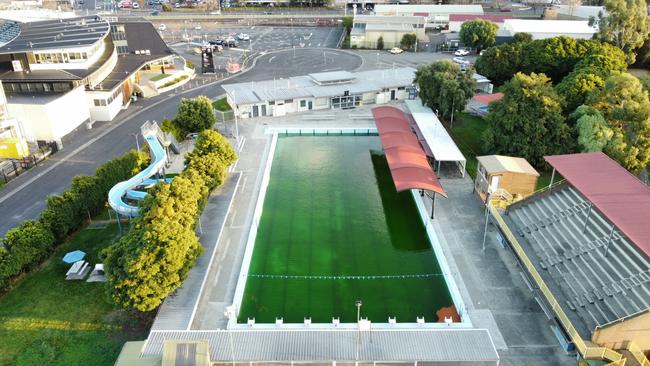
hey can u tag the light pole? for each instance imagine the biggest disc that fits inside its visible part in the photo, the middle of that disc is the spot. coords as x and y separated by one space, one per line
137 143
358 304
235 110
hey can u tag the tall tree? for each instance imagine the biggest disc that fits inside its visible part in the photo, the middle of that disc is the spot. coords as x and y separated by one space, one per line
194 115
528 121
478 33
444 87
626 108
593 131
626 25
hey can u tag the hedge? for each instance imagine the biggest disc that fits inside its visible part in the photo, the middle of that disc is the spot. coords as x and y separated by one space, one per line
153 258
31 242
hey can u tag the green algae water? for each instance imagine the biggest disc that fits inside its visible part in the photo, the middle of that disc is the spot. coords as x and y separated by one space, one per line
334 230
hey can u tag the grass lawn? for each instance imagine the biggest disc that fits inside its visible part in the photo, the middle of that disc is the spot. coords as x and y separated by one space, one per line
221 105
159 77
467 133
46 320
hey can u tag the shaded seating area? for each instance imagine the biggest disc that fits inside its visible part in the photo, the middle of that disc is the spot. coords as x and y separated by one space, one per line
588 239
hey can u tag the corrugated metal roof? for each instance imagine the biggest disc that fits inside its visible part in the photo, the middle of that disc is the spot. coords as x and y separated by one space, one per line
387 19
337 345
502 164
442 146
305 87
386 9
389 27
324 77
615 192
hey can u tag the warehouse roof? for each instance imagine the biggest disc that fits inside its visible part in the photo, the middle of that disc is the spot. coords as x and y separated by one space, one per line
385 9
58 33
468 17
305 86
387 19
548 26
388 345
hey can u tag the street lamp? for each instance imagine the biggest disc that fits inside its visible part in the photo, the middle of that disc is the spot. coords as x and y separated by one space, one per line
358 304
137 143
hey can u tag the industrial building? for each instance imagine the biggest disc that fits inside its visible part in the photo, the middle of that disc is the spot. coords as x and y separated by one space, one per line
367 29
326 90
434 14
542 29
456 20
59 74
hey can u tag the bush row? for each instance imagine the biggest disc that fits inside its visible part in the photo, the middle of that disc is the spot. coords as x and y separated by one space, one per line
154 257
31 242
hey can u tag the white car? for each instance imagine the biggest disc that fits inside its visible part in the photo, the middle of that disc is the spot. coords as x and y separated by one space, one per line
461 61
243 37
461 52
162 27
197 27
396 50
136 6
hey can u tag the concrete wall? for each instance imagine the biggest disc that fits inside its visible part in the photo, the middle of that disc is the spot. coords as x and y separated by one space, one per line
103 113
391 38
53 119
617 335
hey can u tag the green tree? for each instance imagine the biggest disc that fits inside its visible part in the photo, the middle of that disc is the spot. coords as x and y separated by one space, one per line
626 25
380 43
194 115
408 41
501 62
211 141
169 127
444 87
527 122
589 75
522 37
347 23
593 131
626 108
27 244
645 82
478 33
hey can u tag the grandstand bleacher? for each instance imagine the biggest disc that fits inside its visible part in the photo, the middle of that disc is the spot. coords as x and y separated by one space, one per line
595 284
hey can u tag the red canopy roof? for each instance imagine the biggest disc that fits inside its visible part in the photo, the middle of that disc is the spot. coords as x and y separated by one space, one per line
488 98
614 191
407 162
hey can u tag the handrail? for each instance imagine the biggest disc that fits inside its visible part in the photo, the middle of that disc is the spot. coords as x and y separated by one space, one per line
586 351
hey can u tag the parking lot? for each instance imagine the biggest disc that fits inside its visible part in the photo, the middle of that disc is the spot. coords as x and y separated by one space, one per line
186 40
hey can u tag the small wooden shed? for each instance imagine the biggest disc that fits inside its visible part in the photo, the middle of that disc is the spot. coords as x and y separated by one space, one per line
505 177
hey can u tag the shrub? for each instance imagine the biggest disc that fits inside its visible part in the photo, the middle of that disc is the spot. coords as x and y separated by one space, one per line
24 246
380 43
153 259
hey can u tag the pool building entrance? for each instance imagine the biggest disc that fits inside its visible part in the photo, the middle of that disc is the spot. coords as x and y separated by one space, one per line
334 230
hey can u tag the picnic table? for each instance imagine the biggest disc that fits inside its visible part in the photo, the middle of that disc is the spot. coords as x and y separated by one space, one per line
78 271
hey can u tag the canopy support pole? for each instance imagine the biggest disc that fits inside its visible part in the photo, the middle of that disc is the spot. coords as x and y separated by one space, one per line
552 179
587 219
439 162
433 205
609 241
487 217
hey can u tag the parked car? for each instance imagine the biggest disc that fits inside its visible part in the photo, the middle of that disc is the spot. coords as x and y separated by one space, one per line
197 27
136 6
461 52
216 42
396 50
177 5
154 13
243 37
232 43
461 61
162 27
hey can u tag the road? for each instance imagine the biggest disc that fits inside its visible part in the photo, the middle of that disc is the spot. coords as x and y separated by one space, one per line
25 197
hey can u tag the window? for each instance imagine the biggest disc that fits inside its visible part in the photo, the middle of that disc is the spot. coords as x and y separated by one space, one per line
96 101
303 103
122 50
286 101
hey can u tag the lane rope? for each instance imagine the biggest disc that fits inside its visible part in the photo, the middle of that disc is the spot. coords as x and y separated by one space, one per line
371 277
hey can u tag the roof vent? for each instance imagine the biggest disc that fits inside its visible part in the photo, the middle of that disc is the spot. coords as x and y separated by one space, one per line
30 44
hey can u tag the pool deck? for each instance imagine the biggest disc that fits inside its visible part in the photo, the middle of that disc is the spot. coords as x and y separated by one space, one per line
489 281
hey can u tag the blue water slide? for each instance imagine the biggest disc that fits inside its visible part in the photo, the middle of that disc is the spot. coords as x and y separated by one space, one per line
128 190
